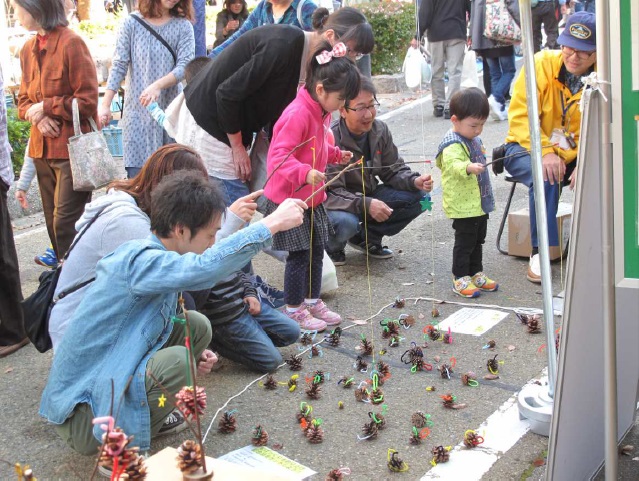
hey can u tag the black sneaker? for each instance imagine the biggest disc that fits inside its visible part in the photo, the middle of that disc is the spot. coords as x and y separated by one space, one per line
174 423
376 251
447 114
338 257
438 111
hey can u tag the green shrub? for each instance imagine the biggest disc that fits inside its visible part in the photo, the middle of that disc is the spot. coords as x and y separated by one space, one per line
393 26
19 131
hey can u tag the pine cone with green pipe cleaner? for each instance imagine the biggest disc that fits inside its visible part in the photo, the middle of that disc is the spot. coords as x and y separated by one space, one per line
315 433
227 423
333 339
391 329
188 402
415 438
270 383
469 376
384 370
259 436
189 456
365 347
294 362
418 419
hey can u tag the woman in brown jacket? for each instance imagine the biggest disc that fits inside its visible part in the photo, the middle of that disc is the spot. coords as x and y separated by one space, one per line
56 68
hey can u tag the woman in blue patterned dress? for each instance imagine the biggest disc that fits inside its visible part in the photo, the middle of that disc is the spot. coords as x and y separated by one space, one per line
153 73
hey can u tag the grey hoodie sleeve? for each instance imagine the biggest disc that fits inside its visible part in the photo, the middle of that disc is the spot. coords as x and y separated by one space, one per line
27 173
232 224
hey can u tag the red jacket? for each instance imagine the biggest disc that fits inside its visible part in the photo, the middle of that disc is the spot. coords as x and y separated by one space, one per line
63 70
300 121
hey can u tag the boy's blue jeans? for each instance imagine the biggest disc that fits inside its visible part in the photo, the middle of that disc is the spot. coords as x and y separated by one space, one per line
406 207
502 72
520 168
253 340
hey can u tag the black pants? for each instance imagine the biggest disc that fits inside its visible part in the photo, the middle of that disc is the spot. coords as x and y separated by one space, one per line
545 13
296 274
11 322
470 234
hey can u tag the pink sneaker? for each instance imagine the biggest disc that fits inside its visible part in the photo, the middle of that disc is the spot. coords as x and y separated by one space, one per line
321 311
306 320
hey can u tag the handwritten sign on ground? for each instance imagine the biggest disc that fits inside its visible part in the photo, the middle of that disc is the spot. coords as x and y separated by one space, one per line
472 321
265 459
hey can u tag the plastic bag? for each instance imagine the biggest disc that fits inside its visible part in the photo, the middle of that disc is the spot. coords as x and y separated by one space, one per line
469 70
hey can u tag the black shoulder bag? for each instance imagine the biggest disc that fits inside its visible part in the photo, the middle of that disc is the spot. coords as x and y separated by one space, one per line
37 307
158 36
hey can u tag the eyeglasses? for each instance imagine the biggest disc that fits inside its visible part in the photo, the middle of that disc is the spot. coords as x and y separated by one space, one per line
360 110
353 54
581 55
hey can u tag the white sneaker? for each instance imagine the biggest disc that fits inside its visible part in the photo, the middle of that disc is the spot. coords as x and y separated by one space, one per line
534 270
497 110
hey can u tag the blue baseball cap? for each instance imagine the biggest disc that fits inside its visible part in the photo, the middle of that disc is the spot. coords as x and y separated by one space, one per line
580 32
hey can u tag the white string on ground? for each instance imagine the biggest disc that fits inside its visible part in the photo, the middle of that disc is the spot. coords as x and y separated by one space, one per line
520 310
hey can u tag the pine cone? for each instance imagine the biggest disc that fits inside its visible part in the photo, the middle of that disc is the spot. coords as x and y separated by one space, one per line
189 457
399 303
491 344
292 383
383 369
362 394
306 339
434 312
370 430
471 439
445 370
188 402
493 365
526 318
377 396
318 377
333 339
315 350
306 417
315 434
379 420
334 475
434 333
270 383
534 326
360 364
469 376
294 362
115 447
419 419
391 329
396 464
260 436
448 338
448 400
415 438
407 321
227 423
365 347
313 391
346 382
393 341
136 469
440 454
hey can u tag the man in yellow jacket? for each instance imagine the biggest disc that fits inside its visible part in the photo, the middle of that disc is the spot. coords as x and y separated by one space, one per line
559 89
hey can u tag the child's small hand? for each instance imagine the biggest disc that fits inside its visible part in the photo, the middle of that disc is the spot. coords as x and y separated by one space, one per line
21 196
314 177
206 362
347 155
475 168
254 306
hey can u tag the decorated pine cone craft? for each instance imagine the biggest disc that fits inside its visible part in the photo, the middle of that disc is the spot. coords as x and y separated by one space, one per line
395 463
433 333
377 396
370 430
469 379
407 320
472 439
492 365
314 433
445 371
259 436
188 401
415 438
346 382
365 347
379 419
399 303
294 362
390 329
270 383
362 394
306 339
314 391
227 423
532 322
336 475
360 364
189 456
419 419
114 453
319 377
441 454
333 339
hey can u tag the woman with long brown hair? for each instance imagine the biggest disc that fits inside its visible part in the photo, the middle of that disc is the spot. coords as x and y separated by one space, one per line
56 68
153 47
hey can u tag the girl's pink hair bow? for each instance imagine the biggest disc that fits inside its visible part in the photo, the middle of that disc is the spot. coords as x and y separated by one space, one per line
339 50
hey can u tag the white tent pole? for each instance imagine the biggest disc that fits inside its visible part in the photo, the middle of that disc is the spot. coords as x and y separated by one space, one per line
538 188
607 242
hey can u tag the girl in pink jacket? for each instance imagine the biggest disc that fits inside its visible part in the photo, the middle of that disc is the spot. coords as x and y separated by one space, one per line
331 79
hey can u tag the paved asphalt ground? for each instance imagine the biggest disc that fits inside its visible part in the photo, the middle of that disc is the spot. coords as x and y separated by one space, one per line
425 247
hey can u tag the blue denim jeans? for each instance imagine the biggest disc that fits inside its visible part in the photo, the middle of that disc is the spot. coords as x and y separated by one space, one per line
232 189
406 208
502 72
132 171
585 6
252 340
520 168
199 27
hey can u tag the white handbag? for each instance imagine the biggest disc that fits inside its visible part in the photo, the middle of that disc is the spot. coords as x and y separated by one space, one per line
92 165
